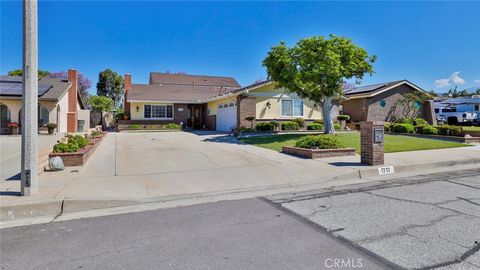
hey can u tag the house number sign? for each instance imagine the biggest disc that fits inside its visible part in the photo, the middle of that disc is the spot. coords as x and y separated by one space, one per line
378 135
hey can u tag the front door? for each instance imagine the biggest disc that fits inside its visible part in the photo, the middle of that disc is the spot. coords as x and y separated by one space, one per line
195 116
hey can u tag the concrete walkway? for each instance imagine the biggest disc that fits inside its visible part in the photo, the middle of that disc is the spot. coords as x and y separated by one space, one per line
148 166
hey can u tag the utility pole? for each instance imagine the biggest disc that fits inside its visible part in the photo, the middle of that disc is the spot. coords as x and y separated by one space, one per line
30 99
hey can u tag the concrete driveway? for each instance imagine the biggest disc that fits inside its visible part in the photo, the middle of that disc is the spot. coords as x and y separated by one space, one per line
145 165
11 150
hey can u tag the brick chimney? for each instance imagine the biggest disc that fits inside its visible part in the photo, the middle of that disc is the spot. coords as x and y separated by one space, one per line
72 115
127 84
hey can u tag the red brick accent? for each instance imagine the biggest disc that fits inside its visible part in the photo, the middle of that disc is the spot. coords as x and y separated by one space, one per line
127 84
72 101
371 153
72 118
246 106
318 153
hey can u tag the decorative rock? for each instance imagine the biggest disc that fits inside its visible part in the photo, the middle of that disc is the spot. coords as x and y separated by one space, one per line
56 164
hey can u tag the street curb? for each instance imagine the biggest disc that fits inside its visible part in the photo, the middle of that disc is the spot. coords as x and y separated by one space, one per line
409 168
55 208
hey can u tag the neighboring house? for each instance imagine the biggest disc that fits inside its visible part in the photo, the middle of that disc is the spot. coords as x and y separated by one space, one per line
384 102
213 103
59 102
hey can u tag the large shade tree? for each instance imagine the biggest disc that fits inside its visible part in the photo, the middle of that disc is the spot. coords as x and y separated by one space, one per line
316 68
110 84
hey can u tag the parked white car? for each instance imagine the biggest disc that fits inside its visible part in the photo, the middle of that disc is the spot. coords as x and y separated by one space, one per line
451 116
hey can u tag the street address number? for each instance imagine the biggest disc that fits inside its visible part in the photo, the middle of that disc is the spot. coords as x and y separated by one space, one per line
386 170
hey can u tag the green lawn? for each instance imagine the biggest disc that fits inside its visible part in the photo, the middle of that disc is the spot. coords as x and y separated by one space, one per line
393 143
471 128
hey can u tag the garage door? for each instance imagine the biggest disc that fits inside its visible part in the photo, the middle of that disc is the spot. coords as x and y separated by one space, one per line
226 117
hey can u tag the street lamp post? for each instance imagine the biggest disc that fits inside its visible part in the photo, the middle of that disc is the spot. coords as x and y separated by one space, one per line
30 99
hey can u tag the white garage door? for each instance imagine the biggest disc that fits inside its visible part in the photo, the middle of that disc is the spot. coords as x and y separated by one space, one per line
226 117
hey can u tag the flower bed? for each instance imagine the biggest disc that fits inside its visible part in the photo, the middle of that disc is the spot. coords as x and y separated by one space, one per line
80 157
319 146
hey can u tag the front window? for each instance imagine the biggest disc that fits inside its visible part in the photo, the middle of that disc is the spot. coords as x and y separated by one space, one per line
158 111
292 107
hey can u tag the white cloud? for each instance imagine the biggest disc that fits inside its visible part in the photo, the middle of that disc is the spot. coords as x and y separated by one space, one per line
453 79
477 81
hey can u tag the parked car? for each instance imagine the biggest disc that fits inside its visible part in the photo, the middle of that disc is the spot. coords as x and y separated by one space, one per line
451 116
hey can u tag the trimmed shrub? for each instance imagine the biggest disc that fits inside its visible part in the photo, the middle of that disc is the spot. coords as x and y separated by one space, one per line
419 122
300 122
337 126
318 122
74 143
419 129
95 133
51 125
402 128
275 125
172 126
265 126
290 126
404 121
449 130
246 129
429 130
320 142
134 126
343 117
315 126
387 126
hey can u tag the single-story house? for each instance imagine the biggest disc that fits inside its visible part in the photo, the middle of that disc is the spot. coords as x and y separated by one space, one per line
385 102
212 102
59 102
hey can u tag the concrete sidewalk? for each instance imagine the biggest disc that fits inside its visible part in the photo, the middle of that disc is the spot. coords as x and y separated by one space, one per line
110 179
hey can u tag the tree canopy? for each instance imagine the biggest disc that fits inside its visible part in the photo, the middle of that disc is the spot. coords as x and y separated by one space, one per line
110 84
101 103
19 72
316 68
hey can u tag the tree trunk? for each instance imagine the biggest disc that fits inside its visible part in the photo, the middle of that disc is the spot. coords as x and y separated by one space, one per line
327 119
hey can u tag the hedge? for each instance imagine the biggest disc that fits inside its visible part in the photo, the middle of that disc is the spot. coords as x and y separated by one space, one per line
290 126
320 142
403 128
299 121
265 126
315 126
449 130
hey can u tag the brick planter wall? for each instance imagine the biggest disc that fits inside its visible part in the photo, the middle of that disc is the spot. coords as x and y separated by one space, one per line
318 153
81 157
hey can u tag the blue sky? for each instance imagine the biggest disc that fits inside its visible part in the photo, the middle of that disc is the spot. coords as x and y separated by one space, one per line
430 43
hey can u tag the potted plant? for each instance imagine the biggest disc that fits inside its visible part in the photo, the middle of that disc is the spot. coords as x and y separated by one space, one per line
13 128
343 118
51 127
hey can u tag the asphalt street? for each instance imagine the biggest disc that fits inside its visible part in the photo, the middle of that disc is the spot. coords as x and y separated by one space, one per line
244 234
422 222
425 222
